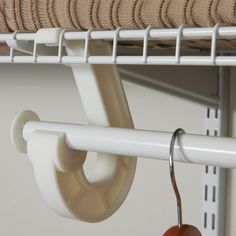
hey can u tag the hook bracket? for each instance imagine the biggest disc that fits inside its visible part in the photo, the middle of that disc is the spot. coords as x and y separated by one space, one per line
105 104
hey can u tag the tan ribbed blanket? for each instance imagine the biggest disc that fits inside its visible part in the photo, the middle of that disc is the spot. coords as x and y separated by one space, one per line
30 15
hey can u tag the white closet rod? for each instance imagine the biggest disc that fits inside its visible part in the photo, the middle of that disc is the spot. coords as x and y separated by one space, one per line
198 149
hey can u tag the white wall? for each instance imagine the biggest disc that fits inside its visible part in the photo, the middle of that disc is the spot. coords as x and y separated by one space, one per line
150 207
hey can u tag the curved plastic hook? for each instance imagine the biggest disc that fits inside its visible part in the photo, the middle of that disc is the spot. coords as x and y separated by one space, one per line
60 175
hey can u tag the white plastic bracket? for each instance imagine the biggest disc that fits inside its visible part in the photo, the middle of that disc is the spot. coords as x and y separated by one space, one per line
101 92
105 104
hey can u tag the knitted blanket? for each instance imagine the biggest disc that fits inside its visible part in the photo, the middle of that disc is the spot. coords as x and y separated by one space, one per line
30 15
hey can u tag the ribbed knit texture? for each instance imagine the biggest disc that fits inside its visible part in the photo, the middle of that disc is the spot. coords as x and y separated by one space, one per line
31 15
3 25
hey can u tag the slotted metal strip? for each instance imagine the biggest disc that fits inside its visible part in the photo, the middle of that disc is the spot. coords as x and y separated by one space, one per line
214 178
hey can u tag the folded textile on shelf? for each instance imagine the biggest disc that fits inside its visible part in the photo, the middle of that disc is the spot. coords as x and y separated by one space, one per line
31 15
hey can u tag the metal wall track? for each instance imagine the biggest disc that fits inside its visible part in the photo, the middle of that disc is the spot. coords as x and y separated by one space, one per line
214 178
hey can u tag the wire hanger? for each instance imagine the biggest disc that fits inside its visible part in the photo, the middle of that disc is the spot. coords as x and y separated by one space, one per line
180 229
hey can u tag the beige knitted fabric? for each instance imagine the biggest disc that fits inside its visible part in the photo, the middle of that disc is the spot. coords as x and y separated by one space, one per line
30 15
3 25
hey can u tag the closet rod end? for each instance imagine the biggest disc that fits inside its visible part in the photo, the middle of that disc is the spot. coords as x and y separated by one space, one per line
17 126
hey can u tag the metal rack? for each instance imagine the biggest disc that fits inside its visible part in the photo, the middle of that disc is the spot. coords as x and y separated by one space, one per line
32 43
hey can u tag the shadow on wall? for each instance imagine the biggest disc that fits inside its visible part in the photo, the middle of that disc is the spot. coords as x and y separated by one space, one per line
175 82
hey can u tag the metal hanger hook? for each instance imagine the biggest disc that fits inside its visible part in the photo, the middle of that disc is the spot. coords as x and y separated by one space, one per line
172 174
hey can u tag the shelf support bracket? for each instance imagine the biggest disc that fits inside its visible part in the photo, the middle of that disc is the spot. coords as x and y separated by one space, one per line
105 104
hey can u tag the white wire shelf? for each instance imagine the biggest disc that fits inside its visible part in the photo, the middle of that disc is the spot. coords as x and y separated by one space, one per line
28 43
